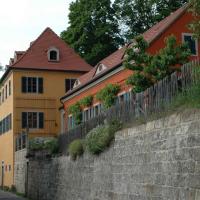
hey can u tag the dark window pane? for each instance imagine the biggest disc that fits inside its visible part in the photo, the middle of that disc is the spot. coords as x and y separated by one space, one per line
53 55
34 120
34 85
191 42
9 88
41 120
72 83
24 120
29 84
40 85
24 84
67 85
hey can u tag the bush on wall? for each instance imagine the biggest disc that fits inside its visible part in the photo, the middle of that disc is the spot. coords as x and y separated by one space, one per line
99 138
76 148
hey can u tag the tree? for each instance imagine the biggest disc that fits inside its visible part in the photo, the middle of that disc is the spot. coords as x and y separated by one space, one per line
137 16
195 25
93 30
148 69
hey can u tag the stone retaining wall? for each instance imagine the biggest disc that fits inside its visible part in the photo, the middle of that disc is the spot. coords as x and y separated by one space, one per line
156 161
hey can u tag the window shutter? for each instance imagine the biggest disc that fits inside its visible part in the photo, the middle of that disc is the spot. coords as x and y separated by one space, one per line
24 120
67 85
24 84
41 120
40 85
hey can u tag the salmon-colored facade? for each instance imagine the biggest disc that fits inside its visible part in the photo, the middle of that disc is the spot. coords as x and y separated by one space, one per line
89 84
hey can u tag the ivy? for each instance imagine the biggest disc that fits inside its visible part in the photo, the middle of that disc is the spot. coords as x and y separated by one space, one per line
149 69
87 101
108 94
75 110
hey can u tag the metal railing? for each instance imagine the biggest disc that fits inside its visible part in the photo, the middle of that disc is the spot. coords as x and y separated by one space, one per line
153 100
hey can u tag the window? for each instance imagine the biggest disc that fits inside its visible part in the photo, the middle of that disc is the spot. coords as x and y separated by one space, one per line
9 86
87 114
32 85
6 124
53 54
69 83
3 95
77 83
70 122
6 90
100 68
33 120
97 110
193 43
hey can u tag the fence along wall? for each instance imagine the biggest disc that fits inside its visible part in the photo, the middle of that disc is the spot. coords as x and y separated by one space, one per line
154 99
159 160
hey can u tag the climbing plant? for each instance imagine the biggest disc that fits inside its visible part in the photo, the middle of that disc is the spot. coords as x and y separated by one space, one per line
86 101
108 95
75 110
148 69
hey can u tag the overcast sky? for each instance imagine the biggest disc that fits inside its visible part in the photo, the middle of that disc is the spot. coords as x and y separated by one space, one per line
22 21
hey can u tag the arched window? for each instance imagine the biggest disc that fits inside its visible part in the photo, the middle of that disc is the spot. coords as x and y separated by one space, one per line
53 54
100 68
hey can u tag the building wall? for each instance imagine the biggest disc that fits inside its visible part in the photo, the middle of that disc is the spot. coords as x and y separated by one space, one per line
6 139
177 28
48 102
159 160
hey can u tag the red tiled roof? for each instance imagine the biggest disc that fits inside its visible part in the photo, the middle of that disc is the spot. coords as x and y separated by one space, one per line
116 58
36 56
155 31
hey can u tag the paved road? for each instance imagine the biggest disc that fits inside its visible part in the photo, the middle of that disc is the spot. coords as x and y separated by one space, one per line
9 196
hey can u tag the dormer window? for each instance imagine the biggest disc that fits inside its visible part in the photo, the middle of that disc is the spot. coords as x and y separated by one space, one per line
53 54
100 68
77 83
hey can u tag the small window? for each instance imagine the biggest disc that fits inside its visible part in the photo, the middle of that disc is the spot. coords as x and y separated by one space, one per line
9 85
53 54
76 84
193 43
69 83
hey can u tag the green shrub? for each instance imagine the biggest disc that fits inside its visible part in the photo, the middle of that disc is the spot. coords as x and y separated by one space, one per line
37 144
99 138
76 149
52 146
13 188
86 101
108 95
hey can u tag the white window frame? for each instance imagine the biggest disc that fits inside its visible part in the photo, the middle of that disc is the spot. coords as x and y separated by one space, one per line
196 42
49 52
98 71
38 120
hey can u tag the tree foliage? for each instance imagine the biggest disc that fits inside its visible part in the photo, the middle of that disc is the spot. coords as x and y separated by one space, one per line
147 68
137 16
195 25
93 30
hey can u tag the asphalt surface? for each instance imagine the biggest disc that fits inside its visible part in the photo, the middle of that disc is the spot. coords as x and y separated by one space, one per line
9 196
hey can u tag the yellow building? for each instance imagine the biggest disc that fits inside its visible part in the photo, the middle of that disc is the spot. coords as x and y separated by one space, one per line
30 94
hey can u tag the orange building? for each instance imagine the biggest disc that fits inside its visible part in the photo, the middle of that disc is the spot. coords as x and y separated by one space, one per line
111 70
29 95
